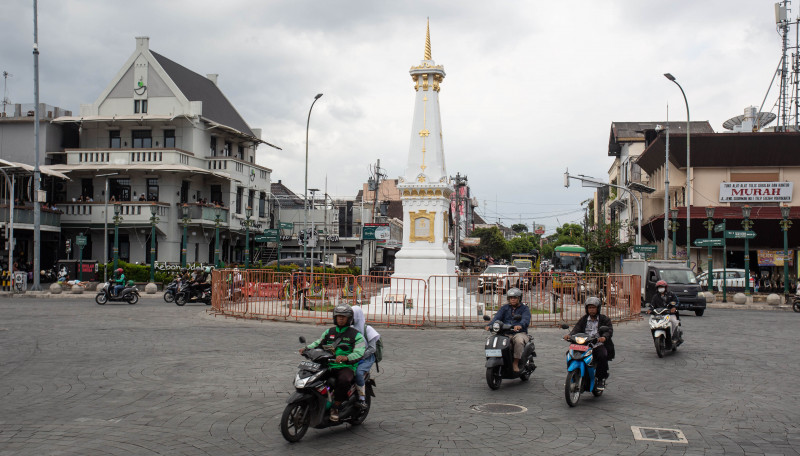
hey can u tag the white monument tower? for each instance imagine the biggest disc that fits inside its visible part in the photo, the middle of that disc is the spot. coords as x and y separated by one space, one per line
425 186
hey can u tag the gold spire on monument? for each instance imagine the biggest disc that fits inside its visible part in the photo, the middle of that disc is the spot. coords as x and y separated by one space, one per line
428 42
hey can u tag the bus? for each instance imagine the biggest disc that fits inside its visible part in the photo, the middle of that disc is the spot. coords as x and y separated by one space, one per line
568 259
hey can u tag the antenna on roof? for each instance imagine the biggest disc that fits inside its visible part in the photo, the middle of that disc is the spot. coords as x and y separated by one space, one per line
749 121
6 75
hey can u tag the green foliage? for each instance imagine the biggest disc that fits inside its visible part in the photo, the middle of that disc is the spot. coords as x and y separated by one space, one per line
525 243
492 243
519 228
604 246
137 272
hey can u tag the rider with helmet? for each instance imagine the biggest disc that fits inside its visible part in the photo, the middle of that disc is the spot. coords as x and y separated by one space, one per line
506 316
119 281
348 345
590 324
666 298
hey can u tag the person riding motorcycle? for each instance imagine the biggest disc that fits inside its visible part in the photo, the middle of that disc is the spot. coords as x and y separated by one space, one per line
371 336
590 324
199 279
520 327
119 281
666 298
348 345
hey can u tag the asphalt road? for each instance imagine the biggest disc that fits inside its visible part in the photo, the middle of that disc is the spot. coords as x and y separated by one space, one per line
81 379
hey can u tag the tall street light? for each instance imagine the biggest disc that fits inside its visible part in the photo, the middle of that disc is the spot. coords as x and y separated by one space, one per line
105 227
785 224
673 226
312 237
688 176
746 224
305 188
117 218
217 222
248 211
186 219
710 224
153 221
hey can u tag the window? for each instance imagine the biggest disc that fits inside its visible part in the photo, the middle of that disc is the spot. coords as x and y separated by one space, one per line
169 138
226 151
262 200
142 139
213 146
136 106
241 153
120 189
239 196
216 194
144 106
250 198
114 139
152 189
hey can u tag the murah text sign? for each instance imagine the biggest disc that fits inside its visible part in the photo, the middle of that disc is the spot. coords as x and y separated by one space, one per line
755 191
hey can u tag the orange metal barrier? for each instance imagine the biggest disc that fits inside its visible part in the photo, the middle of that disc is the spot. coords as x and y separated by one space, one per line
457 300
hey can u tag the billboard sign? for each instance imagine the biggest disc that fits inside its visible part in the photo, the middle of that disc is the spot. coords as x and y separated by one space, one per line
755 191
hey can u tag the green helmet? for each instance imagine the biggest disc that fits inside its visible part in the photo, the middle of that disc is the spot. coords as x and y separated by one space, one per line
208 270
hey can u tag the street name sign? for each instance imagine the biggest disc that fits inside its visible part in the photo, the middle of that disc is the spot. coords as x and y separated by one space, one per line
270 235
287 225
80 241
645 248
740 234
719 228
708 242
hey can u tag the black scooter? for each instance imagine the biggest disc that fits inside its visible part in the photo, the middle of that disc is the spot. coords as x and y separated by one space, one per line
313 397
500 355
127 294
172 290
189 293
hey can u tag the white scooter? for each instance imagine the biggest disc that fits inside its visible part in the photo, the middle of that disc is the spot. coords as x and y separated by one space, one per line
661 329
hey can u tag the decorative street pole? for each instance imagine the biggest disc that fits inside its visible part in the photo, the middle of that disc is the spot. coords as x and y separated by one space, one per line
186 219
785 224
248 213
710 224
746 224
217 222
117 218
673 226
153 221
688 176
305 190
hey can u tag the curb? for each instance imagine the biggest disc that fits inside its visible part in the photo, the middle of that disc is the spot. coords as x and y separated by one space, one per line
63 295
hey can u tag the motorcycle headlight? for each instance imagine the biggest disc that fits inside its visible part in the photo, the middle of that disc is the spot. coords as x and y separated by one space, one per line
302 382
496 326
580 340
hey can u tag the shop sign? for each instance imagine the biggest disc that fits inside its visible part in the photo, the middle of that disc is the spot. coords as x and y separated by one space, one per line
375 231
773 257
755 191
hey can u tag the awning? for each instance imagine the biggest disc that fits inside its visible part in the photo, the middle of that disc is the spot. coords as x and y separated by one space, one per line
128 118
24 168
137 167
235 131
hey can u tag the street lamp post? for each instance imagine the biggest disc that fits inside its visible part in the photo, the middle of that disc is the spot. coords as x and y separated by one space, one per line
673 226
785 224
312 237
153 221
217 222
746 224
185 220
117 218
305 188
688 175
710 224
248 211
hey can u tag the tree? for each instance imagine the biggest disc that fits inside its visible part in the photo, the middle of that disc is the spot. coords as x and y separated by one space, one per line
519 228
604 247
524 243
569 233
492 243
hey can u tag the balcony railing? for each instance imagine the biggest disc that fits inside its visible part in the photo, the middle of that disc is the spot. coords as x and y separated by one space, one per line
132 212
24 215
201 212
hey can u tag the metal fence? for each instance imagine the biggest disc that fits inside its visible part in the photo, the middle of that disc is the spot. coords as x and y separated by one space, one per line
457 300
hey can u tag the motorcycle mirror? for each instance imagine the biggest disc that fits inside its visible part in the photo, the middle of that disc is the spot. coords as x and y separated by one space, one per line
564 326
486 318
302 340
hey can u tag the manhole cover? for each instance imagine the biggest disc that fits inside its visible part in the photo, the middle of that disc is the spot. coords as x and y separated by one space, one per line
658 434
499 409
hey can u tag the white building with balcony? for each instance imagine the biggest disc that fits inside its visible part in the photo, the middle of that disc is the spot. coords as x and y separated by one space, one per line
162 135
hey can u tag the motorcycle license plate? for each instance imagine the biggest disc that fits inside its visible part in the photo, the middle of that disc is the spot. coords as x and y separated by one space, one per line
493 353
309 365
580 348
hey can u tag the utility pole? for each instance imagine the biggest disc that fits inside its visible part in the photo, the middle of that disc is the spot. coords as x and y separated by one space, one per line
373 184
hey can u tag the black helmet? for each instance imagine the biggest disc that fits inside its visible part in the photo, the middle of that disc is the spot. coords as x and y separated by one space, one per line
345 310
515 293
593 301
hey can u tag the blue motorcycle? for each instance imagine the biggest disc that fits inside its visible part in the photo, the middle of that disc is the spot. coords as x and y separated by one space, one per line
581 366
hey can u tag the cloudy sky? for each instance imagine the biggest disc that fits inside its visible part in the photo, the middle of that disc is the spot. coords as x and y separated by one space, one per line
531 89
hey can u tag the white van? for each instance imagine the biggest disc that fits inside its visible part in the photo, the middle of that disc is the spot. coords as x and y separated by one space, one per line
734 278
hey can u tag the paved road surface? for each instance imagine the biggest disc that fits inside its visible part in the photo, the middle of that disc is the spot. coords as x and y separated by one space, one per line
79 379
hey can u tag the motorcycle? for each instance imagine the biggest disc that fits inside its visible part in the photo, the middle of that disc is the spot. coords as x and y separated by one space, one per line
172 290
500 355
129 294
581 366
313 397
189 293
796 303
661 329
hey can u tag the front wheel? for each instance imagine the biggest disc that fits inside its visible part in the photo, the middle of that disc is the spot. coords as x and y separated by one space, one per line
494 377
101 298
699 313
659 343
572 387
796 306
295 421
132 298
180 298
169 296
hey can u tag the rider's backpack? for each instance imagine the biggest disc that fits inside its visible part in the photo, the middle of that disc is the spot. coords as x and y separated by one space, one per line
379 351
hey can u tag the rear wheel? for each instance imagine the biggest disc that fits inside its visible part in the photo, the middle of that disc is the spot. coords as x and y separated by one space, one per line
101 298
494 377
132 298
180 298
796 306
659 343
295 421
699 313
364 412
595 391
572 387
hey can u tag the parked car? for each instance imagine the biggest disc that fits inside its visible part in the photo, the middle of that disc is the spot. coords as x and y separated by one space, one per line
499 277
734 278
